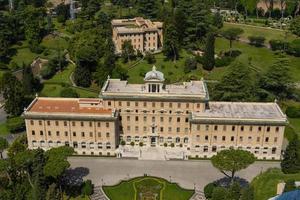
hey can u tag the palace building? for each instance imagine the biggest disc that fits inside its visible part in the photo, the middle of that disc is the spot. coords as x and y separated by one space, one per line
154 114
144 34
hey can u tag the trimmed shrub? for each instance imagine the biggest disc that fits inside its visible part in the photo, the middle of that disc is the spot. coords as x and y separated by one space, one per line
165 144
294 48
172 145
293 111
224 61
208 190
278 45
141 144
87 188
123 143
15 124
132 143
257 41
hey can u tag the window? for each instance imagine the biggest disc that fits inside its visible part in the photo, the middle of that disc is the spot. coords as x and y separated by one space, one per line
205 149
170 119
198 105
65 123
128 103
73 123
257 139
40 122
107 124
56 123
153 104
249 138
186 119
91 124
241 138
224 127
66 133
259 128
109 103
214 149
277 129
187 105
107 134
136 128
161 119
275 139
206 138
153 119
128 128
161 129
162 104
215 138
83 145
32 132
91 134
99 124
242 128
215 127
31 122
223 138
273 150
267 139
49 133
169 129
177 129
268 129
170 105
75 144
74 134
57 133
206 127
120 103
145 128
41 133
233 128
232 138
99 134
82 123
145 104
198 127
48 123
145 119
177 140
251 128
179 105
136 118
128 118
82 134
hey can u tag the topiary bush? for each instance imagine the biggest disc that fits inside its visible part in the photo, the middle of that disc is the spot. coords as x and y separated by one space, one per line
293 111
87 188
15 124
257 41
123 143
208 190
172 145
132 143
141 144
278 45
165 144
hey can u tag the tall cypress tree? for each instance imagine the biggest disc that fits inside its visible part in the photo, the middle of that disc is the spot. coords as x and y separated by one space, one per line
28 80
170 48
82 76
148 8
291 158
209 53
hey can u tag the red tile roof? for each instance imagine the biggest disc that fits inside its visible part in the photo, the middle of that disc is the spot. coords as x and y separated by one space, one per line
64 105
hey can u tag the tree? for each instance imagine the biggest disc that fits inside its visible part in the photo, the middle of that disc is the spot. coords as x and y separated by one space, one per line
13 94
290 163
231 161
232 34
148 8
87 188
236 85
277 79
19 145
247 193
295 26
219 193
171 48
234 191
82 76
128 52
62 11
89 8
28 80
180 24
209 52
218 20
3 146
257 41
289 185
53 193
69 93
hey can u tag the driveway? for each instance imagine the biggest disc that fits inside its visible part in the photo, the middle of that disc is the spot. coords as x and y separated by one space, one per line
110 171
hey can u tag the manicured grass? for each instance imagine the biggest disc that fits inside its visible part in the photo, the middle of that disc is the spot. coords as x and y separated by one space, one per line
261 59
268 33
173 71
51 42
23 54
265 184
130 190
295 124
63 76
3 129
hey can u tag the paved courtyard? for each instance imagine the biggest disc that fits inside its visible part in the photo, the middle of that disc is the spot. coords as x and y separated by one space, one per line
110 171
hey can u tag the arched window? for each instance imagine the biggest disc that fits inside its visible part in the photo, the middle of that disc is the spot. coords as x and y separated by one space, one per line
177 139
186 140
128 138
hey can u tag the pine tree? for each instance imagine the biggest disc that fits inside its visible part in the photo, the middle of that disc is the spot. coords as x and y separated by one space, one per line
170 48
13 95
148 8
290 163
209 52
82 76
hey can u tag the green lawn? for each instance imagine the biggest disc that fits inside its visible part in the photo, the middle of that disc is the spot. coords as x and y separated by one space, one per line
130 190
23 54
265 184
261 59
3 129
268 33
173 71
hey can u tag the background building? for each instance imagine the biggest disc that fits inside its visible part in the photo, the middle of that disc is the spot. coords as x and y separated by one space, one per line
156 115
144 34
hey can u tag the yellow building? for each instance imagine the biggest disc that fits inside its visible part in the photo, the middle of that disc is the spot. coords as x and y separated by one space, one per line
178 117
144 34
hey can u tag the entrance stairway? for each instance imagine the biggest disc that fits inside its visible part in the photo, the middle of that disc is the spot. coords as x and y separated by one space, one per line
152 153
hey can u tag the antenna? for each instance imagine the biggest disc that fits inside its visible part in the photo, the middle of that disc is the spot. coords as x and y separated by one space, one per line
72 9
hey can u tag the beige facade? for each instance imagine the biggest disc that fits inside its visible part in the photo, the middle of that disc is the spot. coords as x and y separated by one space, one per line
157 115
144 34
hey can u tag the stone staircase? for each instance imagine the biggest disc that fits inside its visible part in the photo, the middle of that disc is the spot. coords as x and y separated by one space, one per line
198 195
98 194
152 153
